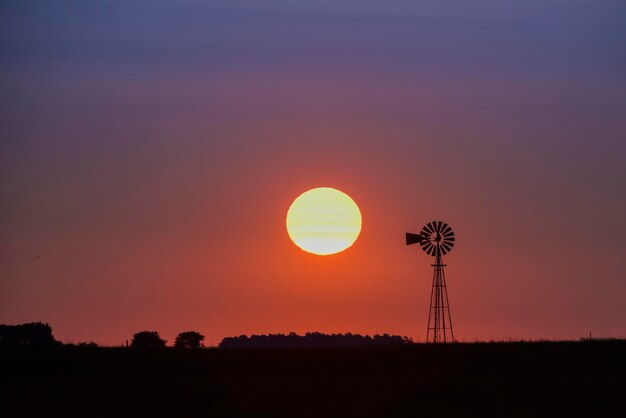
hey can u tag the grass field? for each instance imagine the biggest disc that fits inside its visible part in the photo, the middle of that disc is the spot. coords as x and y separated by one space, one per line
478 379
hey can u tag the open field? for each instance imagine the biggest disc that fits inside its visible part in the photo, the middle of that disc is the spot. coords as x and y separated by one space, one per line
488 379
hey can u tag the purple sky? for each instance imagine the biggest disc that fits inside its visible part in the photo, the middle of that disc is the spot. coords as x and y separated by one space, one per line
149 152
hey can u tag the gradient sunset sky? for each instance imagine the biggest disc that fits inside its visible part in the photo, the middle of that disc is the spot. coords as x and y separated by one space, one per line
149 151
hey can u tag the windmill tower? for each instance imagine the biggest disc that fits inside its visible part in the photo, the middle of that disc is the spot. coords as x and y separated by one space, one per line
437 239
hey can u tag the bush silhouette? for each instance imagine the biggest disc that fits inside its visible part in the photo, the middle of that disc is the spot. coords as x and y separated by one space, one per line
147 339
32 334
189 339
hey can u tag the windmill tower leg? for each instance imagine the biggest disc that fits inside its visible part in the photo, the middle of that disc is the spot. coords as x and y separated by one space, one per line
446 309
439 319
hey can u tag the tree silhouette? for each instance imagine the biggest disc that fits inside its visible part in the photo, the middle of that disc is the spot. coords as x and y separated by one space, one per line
32 334
189 339
147 339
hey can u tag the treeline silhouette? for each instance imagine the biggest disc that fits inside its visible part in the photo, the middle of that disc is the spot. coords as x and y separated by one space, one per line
311 340
32 334
40 334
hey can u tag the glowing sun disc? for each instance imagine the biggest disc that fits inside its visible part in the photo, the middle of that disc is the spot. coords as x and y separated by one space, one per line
323 221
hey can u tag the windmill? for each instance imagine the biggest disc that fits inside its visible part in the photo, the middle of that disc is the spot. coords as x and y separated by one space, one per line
437 239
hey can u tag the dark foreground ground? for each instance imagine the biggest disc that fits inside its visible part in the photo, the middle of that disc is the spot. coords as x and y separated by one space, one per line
496 379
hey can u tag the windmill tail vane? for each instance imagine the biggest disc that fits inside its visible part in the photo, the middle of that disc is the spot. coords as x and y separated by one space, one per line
437 239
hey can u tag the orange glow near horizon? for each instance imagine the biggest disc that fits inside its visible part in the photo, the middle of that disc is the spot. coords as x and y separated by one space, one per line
324 221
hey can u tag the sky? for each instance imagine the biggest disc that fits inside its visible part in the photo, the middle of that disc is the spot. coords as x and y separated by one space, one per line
150 150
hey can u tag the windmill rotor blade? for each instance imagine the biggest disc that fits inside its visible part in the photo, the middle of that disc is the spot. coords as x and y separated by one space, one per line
446 229
447 246
444 251
439 226
428 227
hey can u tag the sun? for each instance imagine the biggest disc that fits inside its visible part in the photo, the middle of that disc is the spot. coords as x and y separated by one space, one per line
323 221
